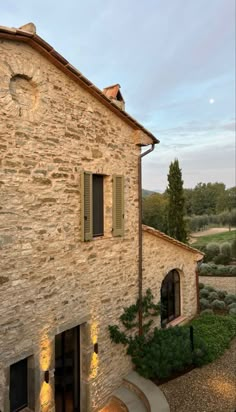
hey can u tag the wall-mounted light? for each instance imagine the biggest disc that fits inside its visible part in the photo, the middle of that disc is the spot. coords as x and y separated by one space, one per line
95 348
46 376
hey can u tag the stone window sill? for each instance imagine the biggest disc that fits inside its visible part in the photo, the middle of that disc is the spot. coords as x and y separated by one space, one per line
176 321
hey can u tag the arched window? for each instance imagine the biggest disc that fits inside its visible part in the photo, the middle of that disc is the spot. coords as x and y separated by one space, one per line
170 297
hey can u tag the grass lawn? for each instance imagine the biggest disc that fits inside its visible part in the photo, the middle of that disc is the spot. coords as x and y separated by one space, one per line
217 237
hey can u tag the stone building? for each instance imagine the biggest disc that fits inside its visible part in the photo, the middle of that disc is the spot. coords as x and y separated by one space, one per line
69 231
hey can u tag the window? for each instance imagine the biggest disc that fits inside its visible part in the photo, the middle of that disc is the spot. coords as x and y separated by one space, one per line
19 385
170 297
92 211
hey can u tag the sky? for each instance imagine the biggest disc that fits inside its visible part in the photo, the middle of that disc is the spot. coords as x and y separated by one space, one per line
175 62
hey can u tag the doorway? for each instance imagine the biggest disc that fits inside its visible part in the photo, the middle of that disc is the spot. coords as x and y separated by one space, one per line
67 371
170 297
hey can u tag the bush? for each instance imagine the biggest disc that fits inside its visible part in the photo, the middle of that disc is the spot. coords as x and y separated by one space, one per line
210 288
233 248
168 351
232 305
213 296
204 269
204 293
222 294
207 312
215 331
218 304
232 311
212 250
230 298
232 271
201 285
204 304
211 269
222 259
225 249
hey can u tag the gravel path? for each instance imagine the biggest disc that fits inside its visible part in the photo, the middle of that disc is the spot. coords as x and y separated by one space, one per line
211 388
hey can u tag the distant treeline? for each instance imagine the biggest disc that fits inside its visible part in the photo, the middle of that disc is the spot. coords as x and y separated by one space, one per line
206 204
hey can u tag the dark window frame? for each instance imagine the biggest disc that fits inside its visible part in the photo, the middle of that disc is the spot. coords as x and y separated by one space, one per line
170 297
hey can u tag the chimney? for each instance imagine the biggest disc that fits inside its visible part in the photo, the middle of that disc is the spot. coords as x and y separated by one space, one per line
113 93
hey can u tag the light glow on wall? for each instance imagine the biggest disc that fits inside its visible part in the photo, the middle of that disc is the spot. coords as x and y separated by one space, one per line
94 360
45 356
94 366
46 397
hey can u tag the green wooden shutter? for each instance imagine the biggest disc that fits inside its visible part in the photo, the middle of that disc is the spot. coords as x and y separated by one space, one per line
86 206
118 205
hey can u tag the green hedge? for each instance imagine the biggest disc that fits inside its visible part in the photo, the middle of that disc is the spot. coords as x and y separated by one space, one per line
211 269
169 351
216 332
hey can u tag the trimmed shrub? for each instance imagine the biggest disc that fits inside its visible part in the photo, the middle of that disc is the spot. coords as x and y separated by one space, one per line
232 305
225 249
212 250
221 259
168 351
233 270
201 285
211 269
232 311
204 293
215 331
210 288
230 298
233 248
207 312
204 269
213 296
218 304
204 304
222 294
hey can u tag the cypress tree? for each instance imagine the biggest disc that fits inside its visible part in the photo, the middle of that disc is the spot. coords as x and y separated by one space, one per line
176 206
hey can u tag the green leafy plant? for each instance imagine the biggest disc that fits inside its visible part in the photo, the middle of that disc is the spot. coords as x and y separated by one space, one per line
129 319
212 250
216 332
204 304
212 296
204 293
230 298
218 304
206 312
222 259
225 249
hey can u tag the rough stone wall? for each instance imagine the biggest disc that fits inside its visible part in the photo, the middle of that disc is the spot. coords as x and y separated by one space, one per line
222 283
51 130
161 256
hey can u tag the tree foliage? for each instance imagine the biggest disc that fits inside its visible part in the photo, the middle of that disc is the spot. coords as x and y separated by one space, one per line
176 204
155 211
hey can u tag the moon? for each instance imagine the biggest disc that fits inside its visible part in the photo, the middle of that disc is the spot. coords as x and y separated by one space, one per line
211 100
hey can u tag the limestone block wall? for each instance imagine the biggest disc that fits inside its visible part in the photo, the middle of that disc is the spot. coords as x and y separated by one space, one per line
51 130
160 257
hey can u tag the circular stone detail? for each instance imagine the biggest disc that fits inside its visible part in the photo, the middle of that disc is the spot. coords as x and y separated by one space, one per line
23 91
